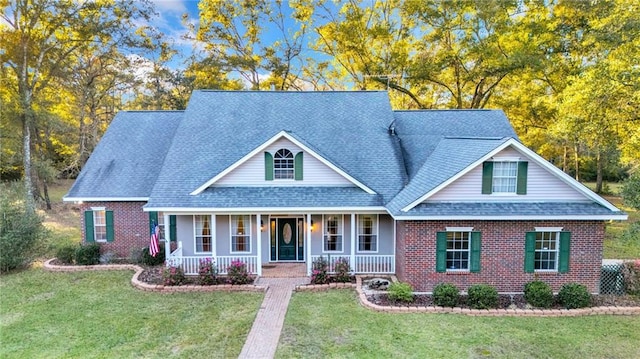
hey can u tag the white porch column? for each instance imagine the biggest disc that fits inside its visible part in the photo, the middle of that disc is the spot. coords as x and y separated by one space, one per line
352 259
214 239
309 244
167 237
259 244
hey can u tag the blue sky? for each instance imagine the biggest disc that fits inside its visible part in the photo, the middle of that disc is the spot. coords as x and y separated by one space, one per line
169 22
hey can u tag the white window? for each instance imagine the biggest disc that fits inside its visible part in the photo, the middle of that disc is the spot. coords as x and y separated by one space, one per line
240 233
458 248
333 233
283 164
368 232
202 224
100 225
505 177
546 256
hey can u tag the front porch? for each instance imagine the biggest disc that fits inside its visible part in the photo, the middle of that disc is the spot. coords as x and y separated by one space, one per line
364 264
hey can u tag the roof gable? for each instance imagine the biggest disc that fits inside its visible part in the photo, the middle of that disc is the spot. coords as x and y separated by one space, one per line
258 152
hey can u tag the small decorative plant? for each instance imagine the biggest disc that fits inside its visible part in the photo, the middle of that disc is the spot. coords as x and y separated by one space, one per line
88 254
631 275
149 260
237 273
482 296
400 292
319 271
538 294
343 270
446 295
173 276
208 272
66 254
574 295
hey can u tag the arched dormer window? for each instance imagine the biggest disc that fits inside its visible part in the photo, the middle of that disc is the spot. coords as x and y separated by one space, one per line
283 164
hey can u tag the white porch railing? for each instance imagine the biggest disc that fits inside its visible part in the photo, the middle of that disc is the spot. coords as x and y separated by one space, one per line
373 264
191 264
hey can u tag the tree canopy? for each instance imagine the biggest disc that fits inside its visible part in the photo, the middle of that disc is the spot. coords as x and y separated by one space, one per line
566 72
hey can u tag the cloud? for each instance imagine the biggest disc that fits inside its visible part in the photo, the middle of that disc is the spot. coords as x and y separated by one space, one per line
173 6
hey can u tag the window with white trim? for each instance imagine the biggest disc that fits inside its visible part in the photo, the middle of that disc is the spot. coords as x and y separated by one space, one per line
458 250
546 255
333 225
100 225
283 164
505 177
202 224
240 234
367 232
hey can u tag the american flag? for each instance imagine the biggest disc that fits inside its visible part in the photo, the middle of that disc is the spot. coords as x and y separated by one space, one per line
153 246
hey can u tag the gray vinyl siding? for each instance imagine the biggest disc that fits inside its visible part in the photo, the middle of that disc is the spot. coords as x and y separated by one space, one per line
541 186
251 172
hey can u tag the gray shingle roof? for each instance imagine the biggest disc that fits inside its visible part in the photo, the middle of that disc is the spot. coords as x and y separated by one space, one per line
129 156
498 209
277 197
421 131
349 129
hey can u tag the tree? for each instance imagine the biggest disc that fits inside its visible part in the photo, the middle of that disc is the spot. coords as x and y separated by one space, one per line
40 39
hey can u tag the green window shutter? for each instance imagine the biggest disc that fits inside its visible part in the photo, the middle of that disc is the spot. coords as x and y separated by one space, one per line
563 256
529 252
441 252
88 227
522 178
172 228
268 166
476 244
298 167
109 220
153 218
487 177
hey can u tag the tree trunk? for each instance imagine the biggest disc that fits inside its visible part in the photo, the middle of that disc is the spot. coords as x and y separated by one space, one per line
599 172
577 160
26 156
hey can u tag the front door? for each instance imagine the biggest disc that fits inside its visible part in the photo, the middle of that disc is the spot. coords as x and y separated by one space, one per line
287 239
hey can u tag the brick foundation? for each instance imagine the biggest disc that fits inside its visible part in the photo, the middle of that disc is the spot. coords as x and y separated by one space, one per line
502 254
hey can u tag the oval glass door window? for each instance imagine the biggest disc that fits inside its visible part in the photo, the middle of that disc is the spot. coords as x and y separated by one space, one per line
286 233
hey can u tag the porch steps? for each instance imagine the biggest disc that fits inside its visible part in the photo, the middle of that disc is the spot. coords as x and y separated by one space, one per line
284 270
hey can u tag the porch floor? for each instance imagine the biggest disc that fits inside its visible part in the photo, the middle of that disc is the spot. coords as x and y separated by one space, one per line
284 270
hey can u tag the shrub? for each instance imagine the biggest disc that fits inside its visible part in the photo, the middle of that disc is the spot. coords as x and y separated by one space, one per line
482 296
400 292
147 259
173 276
574 295
21 230
343 270
208 272
446 295
631 275
88 254
630 191
319 271
66 254
237 273
538 294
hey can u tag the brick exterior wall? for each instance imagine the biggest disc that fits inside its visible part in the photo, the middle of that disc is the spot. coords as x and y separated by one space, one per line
501 256
130 226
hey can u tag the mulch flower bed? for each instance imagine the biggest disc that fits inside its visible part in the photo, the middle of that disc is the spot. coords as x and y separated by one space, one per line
506 301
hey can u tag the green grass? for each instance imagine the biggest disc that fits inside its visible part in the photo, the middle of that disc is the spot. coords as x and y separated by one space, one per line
332 325
100 315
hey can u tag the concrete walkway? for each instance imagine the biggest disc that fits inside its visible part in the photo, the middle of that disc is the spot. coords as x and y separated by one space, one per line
263 338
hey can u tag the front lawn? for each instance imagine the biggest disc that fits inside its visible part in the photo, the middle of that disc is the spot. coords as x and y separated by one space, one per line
100 315
333 325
